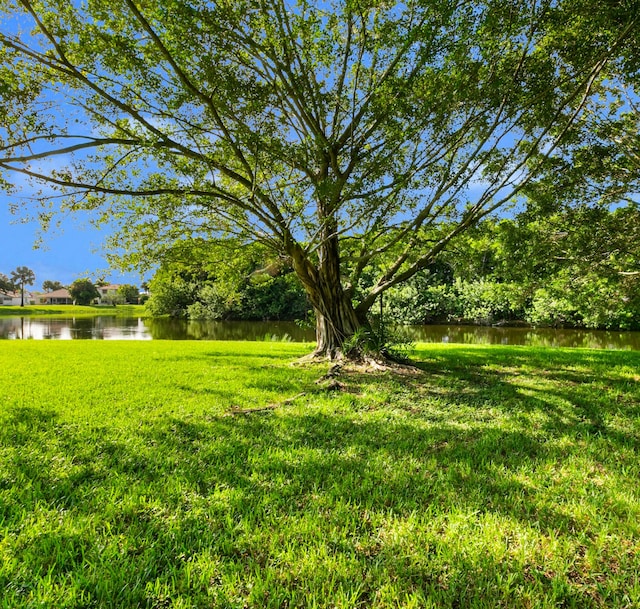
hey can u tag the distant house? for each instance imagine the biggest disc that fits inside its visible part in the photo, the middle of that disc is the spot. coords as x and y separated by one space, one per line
57 297
14 298
10 298
108 293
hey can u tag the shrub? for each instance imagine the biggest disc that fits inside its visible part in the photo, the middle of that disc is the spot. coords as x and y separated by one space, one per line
549 308
171 297
486 302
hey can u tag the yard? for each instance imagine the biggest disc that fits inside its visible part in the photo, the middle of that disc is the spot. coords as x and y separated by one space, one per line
499 476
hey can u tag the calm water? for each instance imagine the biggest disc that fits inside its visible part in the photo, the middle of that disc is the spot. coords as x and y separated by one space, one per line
134 328
122 328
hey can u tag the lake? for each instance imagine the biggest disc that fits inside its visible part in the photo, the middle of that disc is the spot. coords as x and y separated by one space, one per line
135 328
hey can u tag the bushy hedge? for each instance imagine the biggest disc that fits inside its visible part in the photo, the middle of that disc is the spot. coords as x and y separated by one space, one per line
265 297
478 302
576 267
565 302
591 303
258 298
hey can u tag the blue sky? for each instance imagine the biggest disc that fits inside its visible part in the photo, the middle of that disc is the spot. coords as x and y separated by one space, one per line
66 254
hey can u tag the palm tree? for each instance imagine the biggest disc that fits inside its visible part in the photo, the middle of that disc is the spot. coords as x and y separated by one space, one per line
20 277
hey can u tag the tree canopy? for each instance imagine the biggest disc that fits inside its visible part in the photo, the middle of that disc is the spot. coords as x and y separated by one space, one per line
5 284
83 291
50 286
128 294
333 133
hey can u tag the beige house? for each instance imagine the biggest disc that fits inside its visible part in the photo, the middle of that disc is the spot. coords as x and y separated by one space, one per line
108 293
56 297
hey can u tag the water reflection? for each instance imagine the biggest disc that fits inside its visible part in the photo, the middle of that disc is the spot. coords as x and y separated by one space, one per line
533 337
88 328
180 329
134 328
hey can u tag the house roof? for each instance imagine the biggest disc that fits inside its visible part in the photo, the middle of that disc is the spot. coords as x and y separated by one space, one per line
61 293
112 287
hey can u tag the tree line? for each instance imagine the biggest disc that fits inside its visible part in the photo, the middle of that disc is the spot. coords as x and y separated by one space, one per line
226 281
83 291
578 268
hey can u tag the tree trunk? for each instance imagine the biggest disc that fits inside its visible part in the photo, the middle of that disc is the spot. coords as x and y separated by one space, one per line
336 318
336 322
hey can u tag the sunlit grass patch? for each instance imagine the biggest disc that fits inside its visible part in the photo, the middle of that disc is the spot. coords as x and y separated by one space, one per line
73 310
499 477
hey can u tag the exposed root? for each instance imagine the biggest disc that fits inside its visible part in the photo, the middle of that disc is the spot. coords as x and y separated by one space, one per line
316 357
369 364
356 361
332 373
347 365
363 364
330 384
235 411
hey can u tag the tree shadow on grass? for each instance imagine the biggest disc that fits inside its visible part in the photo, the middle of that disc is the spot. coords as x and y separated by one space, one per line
239 488
523 381
228 355
251 475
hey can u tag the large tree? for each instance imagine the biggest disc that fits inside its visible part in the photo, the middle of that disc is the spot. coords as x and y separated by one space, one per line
335 133
50 286
20 277
83 291
128 294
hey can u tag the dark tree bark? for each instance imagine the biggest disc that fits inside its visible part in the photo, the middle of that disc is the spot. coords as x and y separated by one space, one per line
336 321
336 318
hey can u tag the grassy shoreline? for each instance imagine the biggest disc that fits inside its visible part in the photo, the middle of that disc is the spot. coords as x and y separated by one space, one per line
502 476
73 311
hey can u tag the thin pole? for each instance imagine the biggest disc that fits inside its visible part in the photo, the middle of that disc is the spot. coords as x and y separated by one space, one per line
381 322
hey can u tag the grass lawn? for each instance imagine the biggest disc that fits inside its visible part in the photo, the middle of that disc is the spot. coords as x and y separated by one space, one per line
73 310
501 477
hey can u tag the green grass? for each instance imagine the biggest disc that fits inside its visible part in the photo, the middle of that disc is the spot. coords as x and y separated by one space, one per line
75 310
501 477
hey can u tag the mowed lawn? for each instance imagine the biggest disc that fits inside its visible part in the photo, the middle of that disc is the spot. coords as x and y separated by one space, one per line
73 310
499 477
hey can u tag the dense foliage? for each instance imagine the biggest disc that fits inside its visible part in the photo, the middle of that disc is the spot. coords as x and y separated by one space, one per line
128 294
125 294
577 268
204 281
83 291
